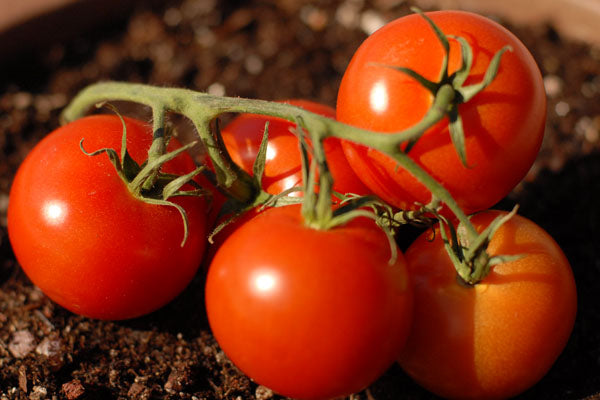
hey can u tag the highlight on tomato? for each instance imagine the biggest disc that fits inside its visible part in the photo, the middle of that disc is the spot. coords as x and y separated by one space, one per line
283 169
503 124
499 337
311 314
85 240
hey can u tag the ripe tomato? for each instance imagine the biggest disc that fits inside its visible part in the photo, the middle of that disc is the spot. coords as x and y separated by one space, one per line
503 124
81 236
498 338
309 313
283 170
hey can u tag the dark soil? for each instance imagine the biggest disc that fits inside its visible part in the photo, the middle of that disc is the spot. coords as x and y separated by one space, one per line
270 50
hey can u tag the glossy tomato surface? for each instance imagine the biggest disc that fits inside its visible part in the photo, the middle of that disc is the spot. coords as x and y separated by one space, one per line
311 314
498 338
283 169
84 240
503 125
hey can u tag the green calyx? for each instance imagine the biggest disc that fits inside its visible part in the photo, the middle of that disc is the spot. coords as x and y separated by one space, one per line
451 87
147 182
233 209
469 253
319 209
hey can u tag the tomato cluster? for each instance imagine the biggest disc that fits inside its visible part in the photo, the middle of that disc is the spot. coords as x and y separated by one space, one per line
313 309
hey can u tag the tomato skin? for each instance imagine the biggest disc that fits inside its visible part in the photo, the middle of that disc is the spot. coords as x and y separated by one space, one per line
283 169
84 240
504 124
310 314
500 337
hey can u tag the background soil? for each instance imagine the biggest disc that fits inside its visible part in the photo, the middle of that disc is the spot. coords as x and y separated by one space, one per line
270 50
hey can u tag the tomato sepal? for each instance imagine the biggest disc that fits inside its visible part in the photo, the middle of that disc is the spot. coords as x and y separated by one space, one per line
454 82
258 168
449 91
468 252
164 186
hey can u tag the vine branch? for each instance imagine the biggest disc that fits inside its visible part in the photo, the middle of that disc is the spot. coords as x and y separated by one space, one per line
202 108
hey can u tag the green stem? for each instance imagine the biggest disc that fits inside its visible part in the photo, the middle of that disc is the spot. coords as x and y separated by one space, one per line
390 145
237 182
202 108
159 144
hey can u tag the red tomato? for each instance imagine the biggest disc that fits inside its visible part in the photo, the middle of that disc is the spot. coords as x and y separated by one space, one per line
283 170
503 124
81 236
498 338
312 314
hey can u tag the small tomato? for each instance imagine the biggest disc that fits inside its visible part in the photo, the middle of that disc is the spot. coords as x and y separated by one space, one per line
85 240
311 314
499 337
503 124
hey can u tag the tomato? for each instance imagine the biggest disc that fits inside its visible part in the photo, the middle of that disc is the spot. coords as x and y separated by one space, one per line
499 337
503 124
283 169
81 236
311 314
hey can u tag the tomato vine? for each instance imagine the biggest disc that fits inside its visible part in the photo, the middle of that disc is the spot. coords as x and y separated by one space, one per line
202 108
